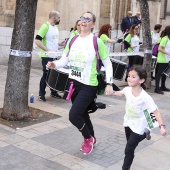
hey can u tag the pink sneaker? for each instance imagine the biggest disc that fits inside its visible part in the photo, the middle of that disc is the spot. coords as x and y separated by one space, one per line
95 142
87 147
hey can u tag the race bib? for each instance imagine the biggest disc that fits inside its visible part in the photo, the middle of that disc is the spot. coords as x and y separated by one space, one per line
151 119
76 73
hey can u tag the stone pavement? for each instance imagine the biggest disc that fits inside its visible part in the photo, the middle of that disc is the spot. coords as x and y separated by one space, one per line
55 144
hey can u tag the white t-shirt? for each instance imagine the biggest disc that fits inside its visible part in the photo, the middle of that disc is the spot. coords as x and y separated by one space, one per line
167 49
155 37
50 37
134 117
135 42
82 60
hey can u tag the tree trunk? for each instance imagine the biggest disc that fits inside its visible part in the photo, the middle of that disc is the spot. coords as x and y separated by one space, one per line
147 42
16 90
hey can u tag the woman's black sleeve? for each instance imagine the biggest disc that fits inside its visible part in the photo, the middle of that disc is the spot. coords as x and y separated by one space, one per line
126 43
38 37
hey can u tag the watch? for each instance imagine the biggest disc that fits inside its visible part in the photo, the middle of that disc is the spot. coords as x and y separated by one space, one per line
161 125
109 84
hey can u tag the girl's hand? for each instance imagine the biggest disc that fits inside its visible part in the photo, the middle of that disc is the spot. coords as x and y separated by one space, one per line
50 65
109 90
163 131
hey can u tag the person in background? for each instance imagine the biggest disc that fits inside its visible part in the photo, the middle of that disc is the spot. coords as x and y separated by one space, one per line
137 19
127 22
82 61
105 34
47 40
132 42
162 34
163 59
155 34
76 29
135 122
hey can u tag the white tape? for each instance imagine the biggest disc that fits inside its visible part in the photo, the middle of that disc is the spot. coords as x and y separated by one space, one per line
51 54
19 53
148 51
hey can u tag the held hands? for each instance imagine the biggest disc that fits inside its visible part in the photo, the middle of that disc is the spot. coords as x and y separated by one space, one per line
50 65
109 90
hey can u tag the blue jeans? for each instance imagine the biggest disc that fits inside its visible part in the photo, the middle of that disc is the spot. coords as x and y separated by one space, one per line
43 84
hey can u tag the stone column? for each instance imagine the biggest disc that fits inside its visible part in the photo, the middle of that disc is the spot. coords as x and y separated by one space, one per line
1 8
104 12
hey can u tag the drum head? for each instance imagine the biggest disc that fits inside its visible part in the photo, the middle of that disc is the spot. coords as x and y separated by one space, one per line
58 80
63 70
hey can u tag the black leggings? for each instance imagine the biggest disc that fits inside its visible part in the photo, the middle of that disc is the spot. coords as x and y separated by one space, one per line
133 140
82 97
159 76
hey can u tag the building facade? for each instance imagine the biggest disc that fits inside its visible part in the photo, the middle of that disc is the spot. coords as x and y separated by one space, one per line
106 11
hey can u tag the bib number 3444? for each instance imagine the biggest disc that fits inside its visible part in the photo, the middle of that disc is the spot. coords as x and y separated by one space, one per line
75 73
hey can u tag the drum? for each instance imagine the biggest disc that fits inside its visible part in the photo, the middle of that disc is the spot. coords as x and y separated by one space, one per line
167 71
58 79
119 68
153 64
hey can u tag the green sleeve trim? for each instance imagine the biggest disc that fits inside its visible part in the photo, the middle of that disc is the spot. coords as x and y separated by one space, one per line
164 41
128 38
103 53
104 38
43 30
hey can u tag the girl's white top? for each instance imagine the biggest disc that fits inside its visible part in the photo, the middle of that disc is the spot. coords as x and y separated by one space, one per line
134 117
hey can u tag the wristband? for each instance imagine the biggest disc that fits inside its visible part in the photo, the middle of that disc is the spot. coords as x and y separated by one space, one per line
162 125
109 84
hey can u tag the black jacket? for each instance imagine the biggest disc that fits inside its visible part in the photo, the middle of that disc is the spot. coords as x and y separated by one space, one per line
126 24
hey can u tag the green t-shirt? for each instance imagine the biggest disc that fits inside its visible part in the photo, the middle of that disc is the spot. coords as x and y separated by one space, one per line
82 59
104 38
161 56
73 34
50 37
128 39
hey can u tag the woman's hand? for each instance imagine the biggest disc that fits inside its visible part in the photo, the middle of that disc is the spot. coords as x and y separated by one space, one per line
109 90
50 65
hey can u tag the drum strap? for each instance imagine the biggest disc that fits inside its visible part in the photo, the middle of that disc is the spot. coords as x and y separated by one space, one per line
99 62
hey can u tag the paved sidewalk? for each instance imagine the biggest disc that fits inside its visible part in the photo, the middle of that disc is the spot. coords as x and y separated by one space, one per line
54 144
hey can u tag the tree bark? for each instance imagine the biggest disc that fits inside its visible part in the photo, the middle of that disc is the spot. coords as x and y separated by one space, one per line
147 42
16 90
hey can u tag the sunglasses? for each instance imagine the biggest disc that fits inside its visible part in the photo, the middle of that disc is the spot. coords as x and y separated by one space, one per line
85 19
136 29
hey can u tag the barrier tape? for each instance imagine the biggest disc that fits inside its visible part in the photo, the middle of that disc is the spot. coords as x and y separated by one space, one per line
19 53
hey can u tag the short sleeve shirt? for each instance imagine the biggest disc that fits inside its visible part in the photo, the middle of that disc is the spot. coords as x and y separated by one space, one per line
105 39
161 56
82 59
50 37
133 41
134 115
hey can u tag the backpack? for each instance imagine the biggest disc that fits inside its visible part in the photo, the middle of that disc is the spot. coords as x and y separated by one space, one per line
99 62
155 50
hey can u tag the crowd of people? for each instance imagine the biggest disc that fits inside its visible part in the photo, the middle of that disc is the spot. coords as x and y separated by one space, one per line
83 59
